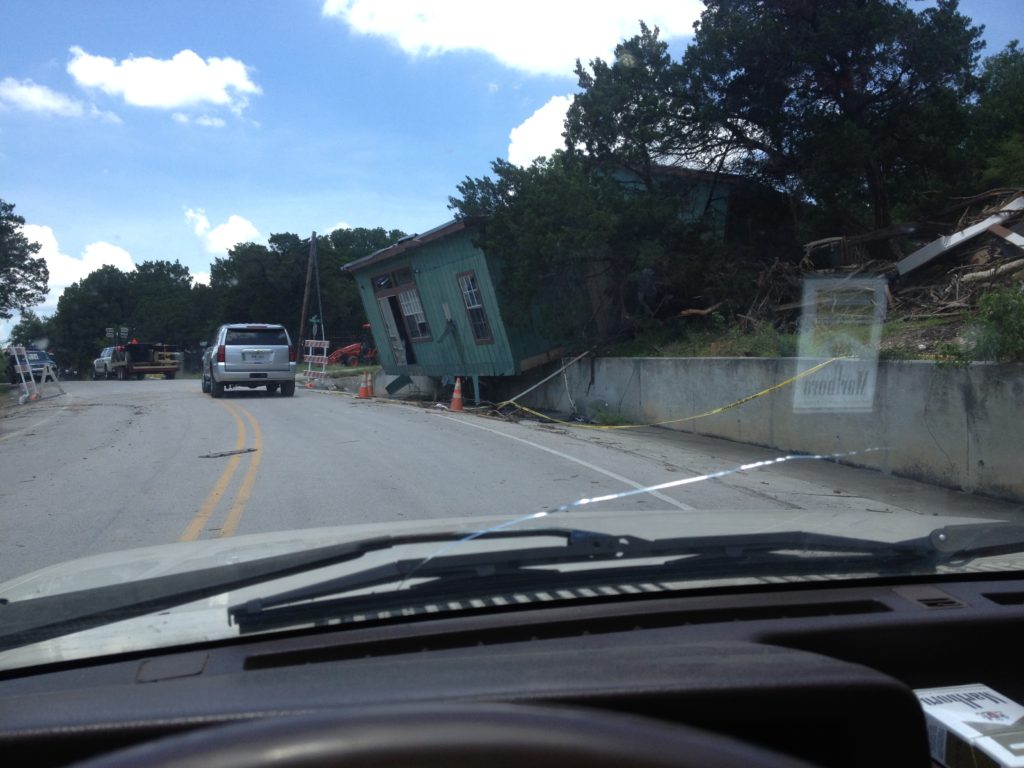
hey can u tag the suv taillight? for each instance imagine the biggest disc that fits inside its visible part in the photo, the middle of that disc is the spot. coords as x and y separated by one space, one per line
220 354
292 354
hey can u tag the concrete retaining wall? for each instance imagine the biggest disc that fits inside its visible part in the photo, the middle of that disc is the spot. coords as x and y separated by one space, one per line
961 428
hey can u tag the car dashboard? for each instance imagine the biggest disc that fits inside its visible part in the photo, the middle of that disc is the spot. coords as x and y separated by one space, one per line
818 672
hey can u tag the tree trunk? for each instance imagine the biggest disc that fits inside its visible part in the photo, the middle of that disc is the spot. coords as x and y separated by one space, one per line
879 197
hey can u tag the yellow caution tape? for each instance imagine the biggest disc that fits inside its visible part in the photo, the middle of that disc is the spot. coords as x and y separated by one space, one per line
721 409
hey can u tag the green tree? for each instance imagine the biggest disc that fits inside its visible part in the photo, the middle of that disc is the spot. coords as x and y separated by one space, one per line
161 293
23 275
850 104
998 119
630 112
343 313
549 225
587 249
262 283
85 309
266 282
32 330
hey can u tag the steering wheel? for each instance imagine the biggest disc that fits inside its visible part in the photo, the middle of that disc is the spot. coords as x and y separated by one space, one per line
465 735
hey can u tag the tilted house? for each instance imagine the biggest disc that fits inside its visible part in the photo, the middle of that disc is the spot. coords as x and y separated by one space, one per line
434 311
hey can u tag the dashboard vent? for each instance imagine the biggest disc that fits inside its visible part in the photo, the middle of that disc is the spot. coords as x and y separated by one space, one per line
929 597
1006 598
528 631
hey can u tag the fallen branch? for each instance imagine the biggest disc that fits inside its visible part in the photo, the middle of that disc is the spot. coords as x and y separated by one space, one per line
988 274
699 312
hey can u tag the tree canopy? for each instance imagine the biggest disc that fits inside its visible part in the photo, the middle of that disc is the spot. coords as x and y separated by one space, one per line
819 118
160 301
849 104
267 282
998 119
23 275
587 249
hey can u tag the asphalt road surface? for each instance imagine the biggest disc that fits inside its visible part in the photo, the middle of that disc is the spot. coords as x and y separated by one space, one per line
112 465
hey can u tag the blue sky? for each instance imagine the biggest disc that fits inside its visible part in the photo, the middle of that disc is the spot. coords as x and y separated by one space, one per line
133 131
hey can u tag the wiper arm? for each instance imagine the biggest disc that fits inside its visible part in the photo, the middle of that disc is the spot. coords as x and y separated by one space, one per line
456 577
23 622
973 540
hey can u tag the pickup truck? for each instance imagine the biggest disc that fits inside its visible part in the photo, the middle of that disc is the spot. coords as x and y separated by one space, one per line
136 359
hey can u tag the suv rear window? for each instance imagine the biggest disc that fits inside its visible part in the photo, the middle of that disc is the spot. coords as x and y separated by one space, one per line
265 336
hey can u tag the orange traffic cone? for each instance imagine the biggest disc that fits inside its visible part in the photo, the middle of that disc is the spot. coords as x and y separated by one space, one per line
364 387
457 396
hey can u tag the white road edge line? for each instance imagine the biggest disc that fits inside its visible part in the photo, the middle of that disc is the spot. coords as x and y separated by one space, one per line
581 462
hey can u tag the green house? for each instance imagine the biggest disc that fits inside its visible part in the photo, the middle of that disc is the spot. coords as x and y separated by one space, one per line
434 311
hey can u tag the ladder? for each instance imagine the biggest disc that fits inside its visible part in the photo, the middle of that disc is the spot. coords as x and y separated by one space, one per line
29 389
316 359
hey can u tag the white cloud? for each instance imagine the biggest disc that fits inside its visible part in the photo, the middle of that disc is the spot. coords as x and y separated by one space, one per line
64 269
540 134
204 120
201 278
558 33
200 224
183 81
223 237
31 97
107 117
339 225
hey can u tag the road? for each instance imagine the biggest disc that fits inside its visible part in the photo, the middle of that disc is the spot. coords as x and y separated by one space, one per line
113 465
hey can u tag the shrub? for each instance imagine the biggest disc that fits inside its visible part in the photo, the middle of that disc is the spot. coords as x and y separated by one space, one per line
1000 329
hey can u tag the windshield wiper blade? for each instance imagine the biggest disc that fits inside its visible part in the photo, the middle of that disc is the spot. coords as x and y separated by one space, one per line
23 622
461 577
38 619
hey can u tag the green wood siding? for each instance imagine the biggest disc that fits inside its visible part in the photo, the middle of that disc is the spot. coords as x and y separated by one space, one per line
452 348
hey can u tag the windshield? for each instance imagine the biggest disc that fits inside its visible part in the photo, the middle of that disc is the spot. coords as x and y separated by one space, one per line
431 306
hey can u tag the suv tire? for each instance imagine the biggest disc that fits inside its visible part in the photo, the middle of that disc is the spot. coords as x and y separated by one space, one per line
287 388
216 388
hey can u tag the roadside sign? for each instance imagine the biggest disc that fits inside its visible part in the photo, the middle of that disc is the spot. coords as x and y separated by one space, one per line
110 333
841 318
124 332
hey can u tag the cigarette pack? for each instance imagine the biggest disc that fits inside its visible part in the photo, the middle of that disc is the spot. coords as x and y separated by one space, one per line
973 726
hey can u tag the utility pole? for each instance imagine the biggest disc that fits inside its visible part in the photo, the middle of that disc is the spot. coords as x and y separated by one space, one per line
305 295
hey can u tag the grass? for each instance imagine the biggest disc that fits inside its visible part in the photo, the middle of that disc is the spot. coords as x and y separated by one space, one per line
901 340
899 327
714 340
342 371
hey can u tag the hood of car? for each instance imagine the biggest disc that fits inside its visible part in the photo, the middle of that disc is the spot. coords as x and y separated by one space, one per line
207 619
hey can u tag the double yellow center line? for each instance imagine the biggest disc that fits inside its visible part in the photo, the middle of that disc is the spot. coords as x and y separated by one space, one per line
209 506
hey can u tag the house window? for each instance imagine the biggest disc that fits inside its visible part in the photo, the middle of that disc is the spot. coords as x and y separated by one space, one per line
475 307
415 320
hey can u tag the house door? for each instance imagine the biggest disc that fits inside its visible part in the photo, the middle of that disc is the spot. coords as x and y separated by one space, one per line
391 326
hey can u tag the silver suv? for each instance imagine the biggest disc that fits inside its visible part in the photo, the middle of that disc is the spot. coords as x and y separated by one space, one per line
250 355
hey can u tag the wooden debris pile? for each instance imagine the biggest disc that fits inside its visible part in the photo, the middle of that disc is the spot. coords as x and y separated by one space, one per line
937 268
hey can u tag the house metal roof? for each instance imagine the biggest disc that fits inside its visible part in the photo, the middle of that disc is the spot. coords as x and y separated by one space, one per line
406 244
